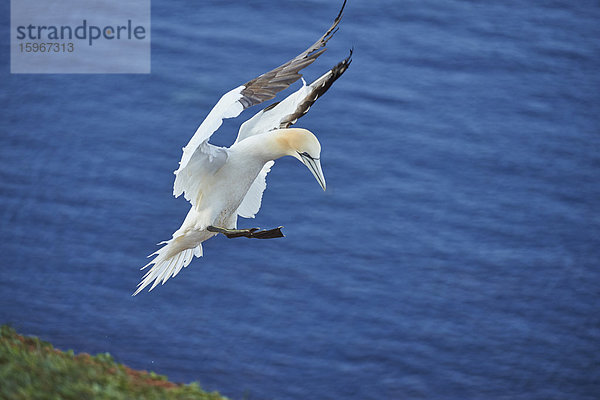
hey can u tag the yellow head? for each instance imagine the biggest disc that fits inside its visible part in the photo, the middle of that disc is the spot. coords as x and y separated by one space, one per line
304 146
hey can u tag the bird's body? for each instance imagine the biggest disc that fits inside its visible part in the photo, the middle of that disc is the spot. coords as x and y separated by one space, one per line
220 200
224 183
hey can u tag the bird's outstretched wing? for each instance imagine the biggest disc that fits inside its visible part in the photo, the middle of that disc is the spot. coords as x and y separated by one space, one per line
287 112
279 116
259 89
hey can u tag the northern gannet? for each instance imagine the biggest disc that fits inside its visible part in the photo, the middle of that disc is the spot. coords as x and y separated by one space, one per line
224 183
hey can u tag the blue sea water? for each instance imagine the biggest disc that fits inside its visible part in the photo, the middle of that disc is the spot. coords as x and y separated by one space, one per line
455 254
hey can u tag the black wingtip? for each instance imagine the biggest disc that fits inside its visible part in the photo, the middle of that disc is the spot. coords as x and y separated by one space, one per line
329 34
339 16
342 66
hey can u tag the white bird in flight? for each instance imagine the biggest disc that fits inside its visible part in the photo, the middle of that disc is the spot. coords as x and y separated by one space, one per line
224 183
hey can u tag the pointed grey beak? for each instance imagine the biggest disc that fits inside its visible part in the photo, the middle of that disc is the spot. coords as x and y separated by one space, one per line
314 164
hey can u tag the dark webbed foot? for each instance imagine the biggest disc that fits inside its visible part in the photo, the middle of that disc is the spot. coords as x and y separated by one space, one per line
252 233
268 234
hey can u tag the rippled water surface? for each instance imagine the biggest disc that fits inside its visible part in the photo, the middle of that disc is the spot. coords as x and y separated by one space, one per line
454 255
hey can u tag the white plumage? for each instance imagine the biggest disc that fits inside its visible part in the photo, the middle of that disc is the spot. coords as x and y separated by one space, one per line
224 183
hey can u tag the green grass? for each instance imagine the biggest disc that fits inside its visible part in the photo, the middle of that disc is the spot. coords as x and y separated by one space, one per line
32 369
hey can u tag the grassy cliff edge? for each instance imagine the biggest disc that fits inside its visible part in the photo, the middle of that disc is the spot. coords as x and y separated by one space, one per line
33 369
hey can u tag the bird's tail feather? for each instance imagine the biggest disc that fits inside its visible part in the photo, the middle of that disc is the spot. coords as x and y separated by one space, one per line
167 263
